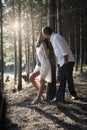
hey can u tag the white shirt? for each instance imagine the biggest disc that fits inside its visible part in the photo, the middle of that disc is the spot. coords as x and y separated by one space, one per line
61 49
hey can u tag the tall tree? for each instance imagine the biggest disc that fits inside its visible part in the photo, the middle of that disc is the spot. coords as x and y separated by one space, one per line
52 14
20 48
1 46
81 46
76 49
27 45
51 89
32 28
15 46
59 14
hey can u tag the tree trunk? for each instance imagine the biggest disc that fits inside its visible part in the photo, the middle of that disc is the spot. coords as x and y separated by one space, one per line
59 19
51 89
52 14
15 53
28 48
32 27
20 48
15 47
81 69
76 49
1 47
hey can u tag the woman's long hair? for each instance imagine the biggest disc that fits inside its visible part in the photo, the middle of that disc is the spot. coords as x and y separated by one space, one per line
39 40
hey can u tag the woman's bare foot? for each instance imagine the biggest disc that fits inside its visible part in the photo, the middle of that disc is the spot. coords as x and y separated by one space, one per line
36 101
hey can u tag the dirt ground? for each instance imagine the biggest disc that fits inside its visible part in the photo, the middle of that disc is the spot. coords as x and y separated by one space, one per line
70 115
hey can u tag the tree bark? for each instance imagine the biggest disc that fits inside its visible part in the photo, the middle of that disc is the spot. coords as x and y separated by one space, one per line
1 47
32 27
15 46
81 69
59 19
20 48
52 14
28 48
51 89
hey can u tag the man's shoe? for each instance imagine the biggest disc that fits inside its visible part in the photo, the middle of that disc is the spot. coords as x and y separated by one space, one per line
74 98
56 100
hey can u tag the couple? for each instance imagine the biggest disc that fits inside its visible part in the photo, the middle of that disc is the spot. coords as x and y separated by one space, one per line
64 60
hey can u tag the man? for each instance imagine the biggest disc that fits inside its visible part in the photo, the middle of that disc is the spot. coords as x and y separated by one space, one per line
65 61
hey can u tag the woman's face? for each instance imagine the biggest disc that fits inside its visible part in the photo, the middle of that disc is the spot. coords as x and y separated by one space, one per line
46 36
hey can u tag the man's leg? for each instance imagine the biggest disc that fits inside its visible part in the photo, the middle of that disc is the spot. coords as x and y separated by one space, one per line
51 88
60 94
69 78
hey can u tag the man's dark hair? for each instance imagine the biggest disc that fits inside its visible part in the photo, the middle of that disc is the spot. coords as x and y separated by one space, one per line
47 30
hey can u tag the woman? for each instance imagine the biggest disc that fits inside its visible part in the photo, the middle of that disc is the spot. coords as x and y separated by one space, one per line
43 68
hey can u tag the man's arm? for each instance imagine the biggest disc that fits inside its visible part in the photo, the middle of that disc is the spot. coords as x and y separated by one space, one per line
66 59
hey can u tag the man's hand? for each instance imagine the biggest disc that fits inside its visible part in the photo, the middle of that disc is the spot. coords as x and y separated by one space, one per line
66 59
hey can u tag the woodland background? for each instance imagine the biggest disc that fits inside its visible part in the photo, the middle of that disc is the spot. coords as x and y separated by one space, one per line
22 20
20 23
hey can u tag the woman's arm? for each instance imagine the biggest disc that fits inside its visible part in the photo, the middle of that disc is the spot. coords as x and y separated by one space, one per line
37 61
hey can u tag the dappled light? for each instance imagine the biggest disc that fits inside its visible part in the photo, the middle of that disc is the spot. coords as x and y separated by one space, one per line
21 21
15 26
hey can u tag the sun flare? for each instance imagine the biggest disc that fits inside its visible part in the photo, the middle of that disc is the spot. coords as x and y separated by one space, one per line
16 25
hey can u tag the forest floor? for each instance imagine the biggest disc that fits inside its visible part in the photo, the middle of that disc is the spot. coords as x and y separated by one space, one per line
70 115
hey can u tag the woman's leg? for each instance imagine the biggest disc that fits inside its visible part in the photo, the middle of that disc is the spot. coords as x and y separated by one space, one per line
41 89
42 86
33 81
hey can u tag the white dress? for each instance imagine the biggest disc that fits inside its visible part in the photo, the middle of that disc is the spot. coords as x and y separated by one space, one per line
45 68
